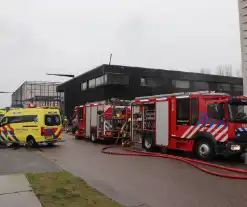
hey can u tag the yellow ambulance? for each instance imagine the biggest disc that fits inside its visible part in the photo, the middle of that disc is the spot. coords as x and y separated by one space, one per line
31 126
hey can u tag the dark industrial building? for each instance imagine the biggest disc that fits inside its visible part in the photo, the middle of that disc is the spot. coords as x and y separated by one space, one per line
123 82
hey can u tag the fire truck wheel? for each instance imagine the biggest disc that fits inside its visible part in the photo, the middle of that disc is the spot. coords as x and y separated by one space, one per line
93 138
204 149
147 143
76 134
74 130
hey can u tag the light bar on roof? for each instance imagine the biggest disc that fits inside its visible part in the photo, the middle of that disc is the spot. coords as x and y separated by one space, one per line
160 99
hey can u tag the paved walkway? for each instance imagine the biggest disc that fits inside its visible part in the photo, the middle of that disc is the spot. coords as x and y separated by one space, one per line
23 161
15 191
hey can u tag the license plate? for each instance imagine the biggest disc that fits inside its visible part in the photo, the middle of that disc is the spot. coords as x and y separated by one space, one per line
108 133
49 137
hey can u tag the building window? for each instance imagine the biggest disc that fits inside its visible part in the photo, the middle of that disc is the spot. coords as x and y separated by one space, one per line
223 87
149 82
102 78
84 86
105 78
143 82
116 79
181 84
99 81
238 88
91 83
200 85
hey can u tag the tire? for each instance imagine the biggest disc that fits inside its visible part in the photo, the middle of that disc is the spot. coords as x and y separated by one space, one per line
148 143
204 149
74 130
31 142
51 144
76 134
93 137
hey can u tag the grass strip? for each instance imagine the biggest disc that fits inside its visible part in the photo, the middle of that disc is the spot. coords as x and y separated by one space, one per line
63 189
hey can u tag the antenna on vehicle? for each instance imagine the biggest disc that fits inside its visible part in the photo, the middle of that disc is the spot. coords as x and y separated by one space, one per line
110 59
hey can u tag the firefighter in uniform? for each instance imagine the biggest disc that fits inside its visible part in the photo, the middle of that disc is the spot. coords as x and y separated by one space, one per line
125 133
65 123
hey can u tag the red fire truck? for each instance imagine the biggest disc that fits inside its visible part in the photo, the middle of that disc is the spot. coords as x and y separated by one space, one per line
206 123
100 120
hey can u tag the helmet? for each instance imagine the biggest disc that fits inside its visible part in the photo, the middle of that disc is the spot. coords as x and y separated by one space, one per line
31 105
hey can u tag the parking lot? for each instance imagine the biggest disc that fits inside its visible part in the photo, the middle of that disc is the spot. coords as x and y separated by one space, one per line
145 181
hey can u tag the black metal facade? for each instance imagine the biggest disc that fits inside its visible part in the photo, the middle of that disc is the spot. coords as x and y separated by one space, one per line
123 82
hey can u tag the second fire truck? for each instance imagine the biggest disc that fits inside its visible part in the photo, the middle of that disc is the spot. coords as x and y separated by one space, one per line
206 123
100 120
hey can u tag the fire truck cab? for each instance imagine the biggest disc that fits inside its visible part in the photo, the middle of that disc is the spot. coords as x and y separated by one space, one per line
100 120
204 122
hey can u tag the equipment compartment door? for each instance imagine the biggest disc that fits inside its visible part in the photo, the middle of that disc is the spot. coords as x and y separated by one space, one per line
100 122
137 123
162 123
93 116
88 121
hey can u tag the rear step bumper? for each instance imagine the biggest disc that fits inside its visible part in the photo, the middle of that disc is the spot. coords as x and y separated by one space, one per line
226 148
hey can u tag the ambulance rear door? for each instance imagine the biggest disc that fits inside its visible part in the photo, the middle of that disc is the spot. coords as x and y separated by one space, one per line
53 124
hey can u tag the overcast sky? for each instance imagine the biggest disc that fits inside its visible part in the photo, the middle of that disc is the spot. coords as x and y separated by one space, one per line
72 36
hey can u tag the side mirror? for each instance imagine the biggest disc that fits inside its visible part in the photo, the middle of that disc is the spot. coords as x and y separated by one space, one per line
3 122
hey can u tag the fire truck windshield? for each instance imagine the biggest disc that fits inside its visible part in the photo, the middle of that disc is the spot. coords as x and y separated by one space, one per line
119 110
237 112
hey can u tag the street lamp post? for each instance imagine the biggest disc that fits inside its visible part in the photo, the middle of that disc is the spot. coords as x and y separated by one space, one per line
63 75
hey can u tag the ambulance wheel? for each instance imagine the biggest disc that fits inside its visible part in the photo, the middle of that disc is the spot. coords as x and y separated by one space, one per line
93 138
204 149
147 143
31 142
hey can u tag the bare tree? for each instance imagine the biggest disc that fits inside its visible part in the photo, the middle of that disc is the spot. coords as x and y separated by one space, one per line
202 70
220 70
224 69
205 71
228 70
239 73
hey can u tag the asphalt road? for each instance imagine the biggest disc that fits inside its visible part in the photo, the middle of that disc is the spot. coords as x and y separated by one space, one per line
146 181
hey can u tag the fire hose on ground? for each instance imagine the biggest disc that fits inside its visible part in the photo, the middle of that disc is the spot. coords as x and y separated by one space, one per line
193 162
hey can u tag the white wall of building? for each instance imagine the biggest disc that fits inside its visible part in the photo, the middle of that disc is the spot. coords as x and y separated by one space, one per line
243 35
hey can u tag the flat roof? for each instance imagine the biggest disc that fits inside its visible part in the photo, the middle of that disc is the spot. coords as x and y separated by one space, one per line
59 88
